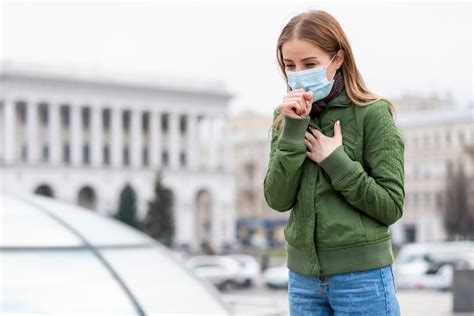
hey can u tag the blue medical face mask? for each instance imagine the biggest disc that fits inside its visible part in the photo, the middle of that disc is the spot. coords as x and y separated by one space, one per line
313 79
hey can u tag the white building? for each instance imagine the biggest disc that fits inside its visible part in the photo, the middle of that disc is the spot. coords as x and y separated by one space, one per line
438 139
82 137
256 221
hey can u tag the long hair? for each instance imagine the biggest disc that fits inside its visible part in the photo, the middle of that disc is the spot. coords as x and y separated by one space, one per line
323 30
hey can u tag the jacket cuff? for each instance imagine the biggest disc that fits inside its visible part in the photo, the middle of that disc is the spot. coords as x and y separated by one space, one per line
338 165
294 130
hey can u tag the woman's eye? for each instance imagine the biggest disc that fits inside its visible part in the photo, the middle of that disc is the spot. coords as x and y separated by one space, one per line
311 65
289 66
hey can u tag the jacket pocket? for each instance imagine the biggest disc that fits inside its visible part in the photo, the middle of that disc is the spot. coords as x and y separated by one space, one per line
338 222
374 229
293 228
352 145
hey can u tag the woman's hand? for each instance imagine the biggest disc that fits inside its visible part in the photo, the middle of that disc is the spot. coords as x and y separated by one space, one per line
297 103
321 146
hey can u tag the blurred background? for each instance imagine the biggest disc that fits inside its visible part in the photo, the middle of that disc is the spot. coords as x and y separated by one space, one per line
134 140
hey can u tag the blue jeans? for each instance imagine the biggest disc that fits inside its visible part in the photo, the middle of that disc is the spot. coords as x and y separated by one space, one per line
369 293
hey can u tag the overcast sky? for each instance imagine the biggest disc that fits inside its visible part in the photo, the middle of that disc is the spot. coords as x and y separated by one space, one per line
421 48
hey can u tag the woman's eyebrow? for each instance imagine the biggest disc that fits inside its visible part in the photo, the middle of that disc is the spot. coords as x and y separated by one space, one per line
304 59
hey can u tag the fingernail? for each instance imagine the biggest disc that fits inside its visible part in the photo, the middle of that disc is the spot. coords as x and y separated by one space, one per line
338 123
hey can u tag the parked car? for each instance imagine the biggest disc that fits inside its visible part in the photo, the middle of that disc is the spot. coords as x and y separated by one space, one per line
250 269
221 271
62 259
431 265
276 277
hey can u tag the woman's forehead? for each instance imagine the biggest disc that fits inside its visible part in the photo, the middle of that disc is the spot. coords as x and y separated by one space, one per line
300 49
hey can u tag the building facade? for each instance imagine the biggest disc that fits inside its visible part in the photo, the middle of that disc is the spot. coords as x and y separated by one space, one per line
257 223
439 139
82 137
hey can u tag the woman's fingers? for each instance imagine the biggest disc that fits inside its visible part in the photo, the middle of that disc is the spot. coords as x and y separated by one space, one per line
309 137
316 133
300 101
295 106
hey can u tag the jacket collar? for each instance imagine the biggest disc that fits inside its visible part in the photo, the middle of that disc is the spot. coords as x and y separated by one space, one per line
340 100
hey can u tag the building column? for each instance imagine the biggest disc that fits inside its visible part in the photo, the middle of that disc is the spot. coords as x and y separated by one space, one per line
192 141
9 131
174 144
185 226
216 222
76 135
212 153
117 137
96 135
32 132
135 141
227 146
54 133
155 139
228 209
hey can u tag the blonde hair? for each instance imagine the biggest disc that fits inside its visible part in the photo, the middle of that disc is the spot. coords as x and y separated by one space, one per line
323 30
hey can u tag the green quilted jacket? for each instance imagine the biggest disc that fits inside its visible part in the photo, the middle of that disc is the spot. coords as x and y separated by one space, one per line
340 209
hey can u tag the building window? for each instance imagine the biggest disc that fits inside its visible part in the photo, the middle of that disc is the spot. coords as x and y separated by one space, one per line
145 122
164 158
106 119
86 115
449 168
426 141
66 153
427 199
439 200
183 123
182 159
24 152
65 116
126 158
461 137
106 155
164 122
410 233
415 141
126 120
86 154
22 112
45 152
145 158
44 114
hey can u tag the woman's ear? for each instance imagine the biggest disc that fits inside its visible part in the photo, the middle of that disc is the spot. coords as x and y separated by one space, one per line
340 58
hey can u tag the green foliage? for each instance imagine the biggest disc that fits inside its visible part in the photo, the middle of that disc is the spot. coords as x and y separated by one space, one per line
127 206
159 221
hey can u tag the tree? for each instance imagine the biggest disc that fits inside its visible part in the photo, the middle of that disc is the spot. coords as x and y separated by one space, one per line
159 220
458 214
127 206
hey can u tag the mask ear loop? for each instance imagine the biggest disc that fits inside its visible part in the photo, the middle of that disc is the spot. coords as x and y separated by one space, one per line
329 63
331 59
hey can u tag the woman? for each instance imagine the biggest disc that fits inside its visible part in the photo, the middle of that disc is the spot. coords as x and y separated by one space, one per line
337 161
